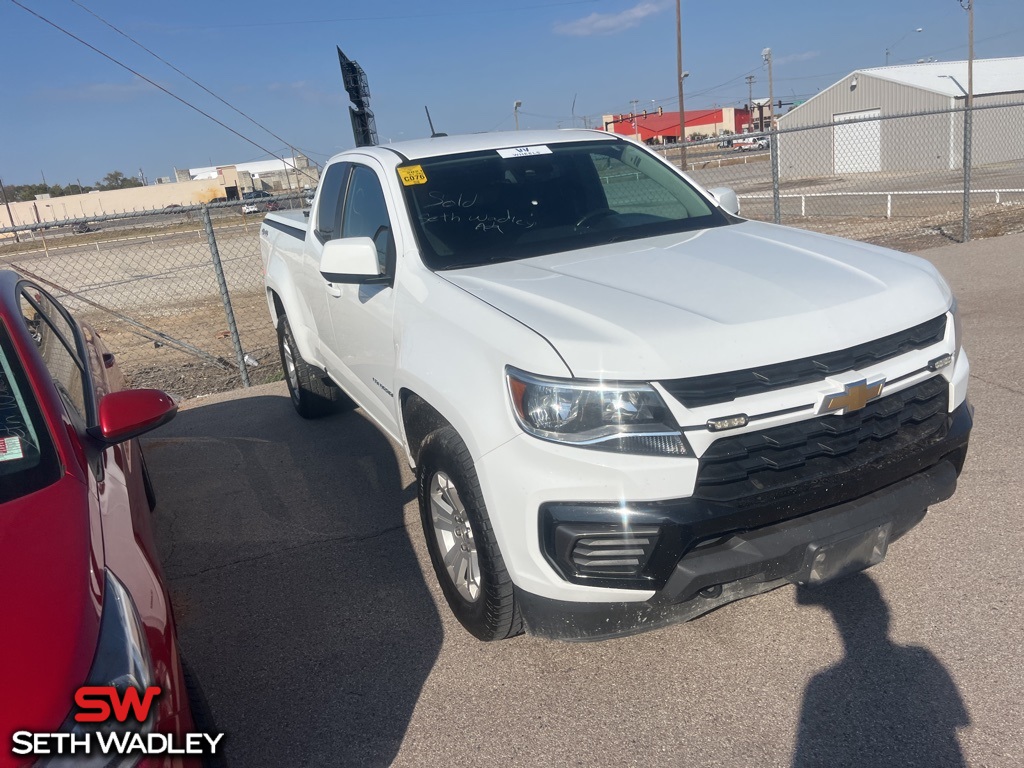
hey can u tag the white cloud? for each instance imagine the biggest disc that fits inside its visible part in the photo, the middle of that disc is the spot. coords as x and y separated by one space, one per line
793 58
609 23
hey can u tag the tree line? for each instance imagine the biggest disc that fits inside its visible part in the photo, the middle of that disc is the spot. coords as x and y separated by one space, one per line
27 192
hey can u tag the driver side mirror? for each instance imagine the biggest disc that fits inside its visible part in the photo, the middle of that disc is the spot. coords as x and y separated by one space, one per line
351 260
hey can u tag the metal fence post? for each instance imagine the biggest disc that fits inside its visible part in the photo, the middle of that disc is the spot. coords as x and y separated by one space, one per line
774 150
224 295
968 120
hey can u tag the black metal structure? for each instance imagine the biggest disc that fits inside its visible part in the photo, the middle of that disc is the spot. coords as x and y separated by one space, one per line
364 128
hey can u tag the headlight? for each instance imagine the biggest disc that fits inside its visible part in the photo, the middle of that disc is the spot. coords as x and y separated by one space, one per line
607 416
958 329
122 660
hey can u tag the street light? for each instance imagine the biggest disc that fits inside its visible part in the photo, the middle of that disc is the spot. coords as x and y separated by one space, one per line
889 48
682 108
515 111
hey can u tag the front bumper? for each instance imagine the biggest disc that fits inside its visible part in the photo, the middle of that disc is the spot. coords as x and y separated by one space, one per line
706 557
744 565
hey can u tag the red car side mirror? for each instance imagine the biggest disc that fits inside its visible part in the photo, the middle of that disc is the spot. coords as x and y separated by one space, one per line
130 413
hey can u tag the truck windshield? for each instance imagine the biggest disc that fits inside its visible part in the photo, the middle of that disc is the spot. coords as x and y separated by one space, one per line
508 204
28 461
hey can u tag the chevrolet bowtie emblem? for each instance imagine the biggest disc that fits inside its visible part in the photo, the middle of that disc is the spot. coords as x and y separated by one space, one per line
853 397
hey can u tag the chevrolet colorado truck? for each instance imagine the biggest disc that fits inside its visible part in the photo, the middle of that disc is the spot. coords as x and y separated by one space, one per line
625 404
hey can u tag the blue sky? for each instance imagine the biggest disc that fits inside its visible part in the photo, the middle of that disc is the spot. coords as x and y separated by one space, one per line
71 114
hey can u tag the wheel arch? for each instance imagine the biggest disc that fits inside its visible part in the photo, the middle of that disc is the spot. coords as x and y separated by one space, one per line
419 419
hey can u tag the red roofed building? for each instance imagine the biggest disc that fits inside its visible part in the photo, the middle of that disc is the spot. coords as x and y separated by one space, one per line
664 128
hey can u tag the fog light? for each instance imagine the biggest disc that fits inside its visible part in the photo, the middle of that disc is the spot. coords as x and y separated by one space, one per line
728 422
940 362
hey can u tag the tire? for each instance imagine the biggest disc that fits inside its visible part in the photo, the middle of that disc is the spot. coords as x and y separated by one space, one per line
476 586
311 394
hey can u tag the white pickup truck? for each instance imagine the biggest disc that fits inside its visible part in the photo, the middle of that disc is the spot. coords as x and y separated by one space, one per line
625 404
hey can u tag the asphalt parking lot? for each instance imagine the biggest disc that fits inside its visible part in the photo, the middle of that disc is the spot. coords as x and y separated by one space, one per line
308 610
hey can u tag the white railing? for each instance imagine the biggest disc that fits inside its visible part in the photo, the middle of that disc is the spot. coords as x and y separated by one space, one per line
887 195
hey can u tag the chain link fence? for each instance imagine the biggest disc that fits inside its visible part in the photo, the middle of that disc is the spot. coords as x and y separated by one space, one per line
178 295
895 181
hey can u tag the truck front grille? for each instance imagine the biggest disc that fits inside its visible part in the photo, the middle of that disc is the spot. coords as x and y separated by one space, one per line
724 387
825 452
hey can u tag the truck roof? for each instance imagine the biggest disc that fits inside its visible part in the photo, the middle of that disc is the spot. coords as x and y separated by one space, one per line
475 142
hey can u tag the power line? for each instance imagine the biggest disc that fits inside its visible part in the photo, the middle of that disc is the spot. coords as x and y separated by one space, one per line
187 77
160 87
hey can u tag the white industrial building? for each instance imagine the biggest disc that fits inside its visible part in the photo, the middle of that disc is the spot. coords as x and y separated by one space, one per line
863 140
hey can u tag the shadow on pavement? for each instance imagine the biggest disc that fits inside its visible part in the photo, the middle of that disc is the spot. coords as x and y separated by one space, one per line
300 603
883 704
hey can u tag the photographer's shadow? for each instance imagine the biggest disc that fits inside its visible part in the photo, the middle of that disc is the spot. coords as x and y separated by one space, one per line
883 704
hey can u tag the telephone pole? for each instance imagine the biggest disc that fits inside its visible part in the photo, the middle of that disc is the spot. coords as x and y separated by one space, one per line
750 100
679 84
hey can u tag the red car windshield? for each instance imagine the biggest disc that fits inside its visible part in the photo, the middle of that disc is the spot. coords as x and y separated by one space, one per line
28 461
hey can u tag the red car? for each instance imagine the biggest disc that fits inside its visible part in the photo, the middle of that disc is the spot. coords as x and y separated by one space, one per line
83 601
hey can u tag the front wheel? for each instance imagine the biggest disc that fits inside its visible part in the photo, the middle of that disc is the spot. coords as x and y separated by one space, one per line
311 394
461 542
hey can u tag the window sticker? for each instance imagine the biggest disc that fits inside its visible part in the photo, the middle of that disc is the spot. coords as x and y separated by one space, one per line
412 175
10 449
538 149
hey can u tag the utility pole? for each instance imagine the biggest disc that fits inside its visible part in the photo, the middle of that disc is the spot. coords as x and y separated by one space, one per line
636 131
679 83
7 203
750 99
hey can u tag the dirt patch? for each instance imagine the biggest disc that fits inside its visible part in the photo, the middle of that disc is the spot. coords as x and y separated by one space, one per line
192 352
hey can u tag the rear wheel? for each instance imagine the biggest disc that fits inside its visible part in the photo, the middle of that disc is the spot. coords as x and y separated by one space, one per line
311 394
461 541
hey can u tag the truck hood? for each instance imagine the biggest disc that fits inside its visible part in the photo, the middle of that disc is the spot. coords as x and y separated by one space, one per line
710 301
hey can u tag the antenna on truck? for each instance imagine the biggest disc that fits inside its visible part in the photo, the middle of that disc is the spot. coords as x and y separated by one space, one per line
433 134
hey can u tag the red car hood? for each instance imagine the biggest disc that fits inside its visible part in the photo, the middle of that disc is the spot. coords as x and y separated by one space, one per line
50 582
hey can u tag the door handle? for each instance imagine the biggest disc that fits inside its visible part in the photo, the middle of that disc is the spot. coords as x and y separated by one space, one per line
334 290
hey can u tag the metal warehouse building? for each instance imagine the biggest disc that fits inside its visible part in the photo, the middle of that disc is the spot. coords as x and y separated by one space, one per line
858 143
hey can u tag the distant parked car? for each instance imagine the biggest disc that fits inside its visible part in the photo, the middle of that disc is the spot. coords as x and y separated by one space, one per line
747 143
84 598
